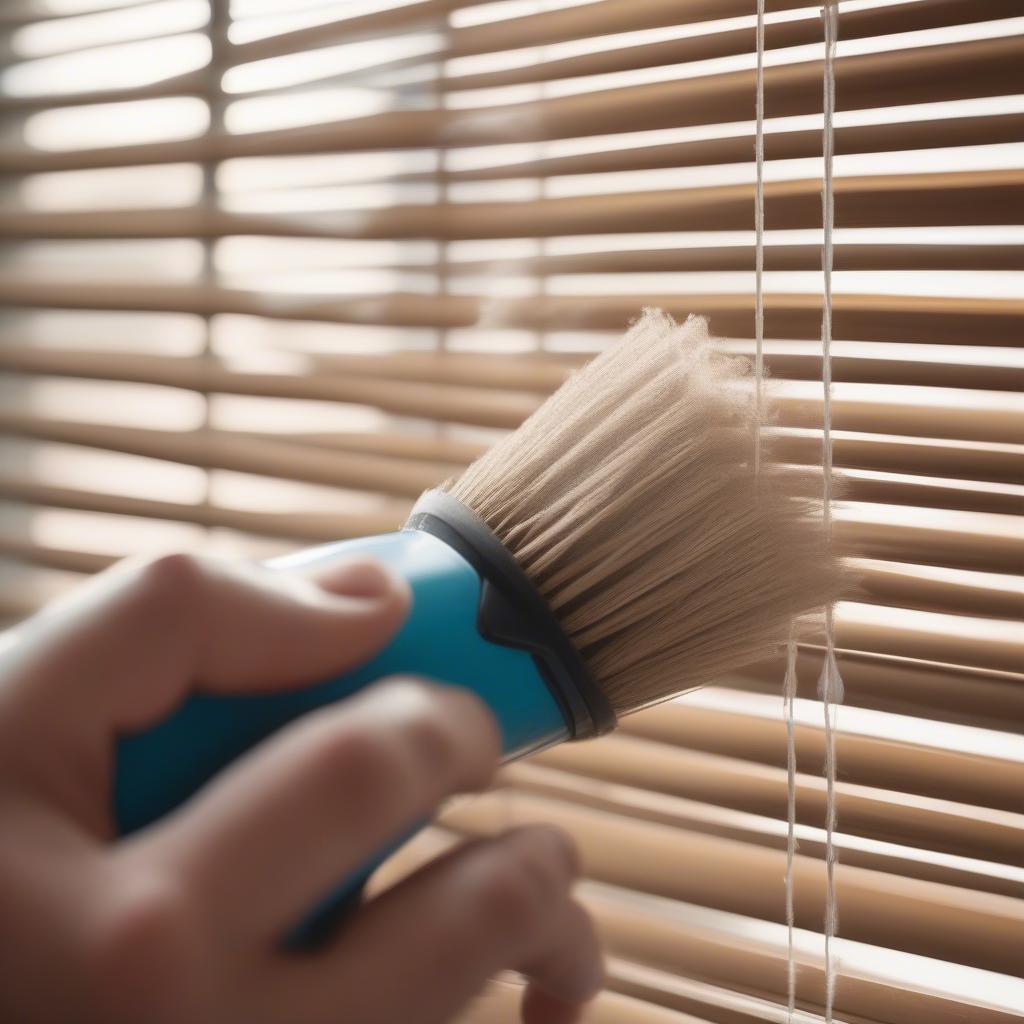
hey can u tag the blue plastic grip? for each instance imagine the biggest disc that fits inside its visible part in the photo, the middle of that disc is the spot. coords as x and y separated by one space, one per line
160 768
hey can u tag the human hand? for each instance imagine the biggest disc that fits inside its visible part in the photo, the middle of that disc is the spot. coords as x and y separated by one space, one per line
181 923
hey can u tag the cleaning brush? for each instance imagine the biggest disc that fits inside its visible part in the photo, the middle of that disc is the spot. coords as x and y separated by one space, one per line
635 538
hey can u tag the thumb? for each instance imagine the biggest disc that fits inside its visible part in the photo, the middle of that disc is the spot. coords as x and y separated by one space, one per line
142 637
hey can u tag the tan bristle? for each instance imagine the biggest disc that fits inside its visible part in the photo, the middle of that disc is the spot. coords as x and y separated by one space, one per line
631 500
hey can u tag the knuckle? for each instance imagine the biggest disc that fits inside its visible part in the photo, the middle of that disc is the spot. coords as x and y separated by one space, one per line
140 949
450 733
432 744
526 878
175 576
365 765
506 892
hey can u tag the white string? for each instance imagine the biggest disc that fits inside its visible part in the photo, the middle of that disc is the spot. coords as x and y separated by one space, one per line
759 238
830 684
790 682
789 688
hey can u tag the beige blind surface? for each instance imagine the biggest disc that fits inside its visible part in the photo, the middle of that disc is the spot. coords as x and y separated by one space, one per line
271 268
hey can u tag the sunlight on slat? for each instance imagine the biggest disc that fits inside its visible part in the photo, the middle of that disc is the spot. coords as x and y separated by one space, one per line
967 739
480 98
115 473
263 113
166 185
174 117
290 172
115 67
346 59
103 29
283 19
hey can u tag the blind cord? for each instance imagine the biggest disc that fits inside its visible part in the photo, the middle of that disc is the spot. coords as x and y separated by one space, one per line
759 238
830 684
790 681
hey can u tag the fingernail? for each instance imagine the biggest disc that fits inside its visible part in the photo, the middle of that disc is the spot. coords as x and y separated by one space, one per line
361 579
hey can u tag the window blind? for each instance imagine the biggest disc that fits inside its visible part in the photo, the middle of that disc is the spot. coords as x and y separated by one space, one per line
273 268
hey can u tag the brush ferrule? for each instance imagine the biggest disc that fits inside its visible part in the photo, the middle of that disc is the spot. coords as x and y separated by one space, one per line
513 613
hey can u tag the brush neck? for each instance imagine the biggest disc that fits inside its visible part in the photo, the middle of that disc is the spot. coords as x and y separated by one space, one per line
513 613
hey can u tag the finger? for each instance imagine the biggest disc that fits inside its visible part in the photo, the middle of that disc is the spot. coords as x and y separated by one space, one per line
556 993
539 1007
129 648
424 948
283 826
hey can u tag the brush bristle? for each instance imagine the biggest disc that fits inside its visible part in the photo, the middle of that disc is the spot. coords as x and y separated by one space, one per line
631 500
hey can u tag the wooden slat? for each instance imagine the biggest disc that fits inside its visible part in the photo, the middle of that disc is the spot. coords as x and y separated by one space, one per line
985 698
867 761
933 824
16 13
876 585
49 557
889 200
224 449
861 317
308 527
908 586
899 861
779 145
405 17
881 256
919 75
960 459
404 397
947 412
925 918
678 956
192 83
857 24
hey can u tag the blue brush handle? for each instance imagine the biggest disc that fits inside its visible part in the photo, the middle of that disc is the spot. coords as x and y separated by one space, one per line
158 769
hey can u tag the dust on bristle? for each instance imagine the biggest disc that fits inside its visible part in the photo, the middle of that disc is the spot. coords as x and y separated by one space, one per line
631 500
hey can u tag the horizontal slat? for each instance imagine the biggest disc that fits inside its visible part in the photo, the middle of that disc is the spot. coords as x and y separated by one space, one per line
861 317
974 416
919 75
507 33
957 459
328 526
311 527
866 760
925 918
977 541
880 256
894 200
851 362
689 955
960 459
54 558
932 636
669 946
960 829
372 25
922 492
857 24
23 12
224 449
909 586
933 133
192 83
404 397
898 861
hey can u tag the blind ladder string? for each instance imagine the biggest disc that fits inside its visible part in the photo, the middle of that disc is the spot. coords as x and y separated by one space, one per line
830 684
789 684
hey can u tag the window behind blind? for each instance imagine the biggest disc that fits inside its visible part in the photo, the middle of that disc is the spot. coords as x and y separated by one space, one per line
271 269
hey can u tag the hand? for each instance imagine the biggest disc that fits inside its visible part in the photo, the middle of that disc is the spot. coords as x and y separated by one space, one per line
181 923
